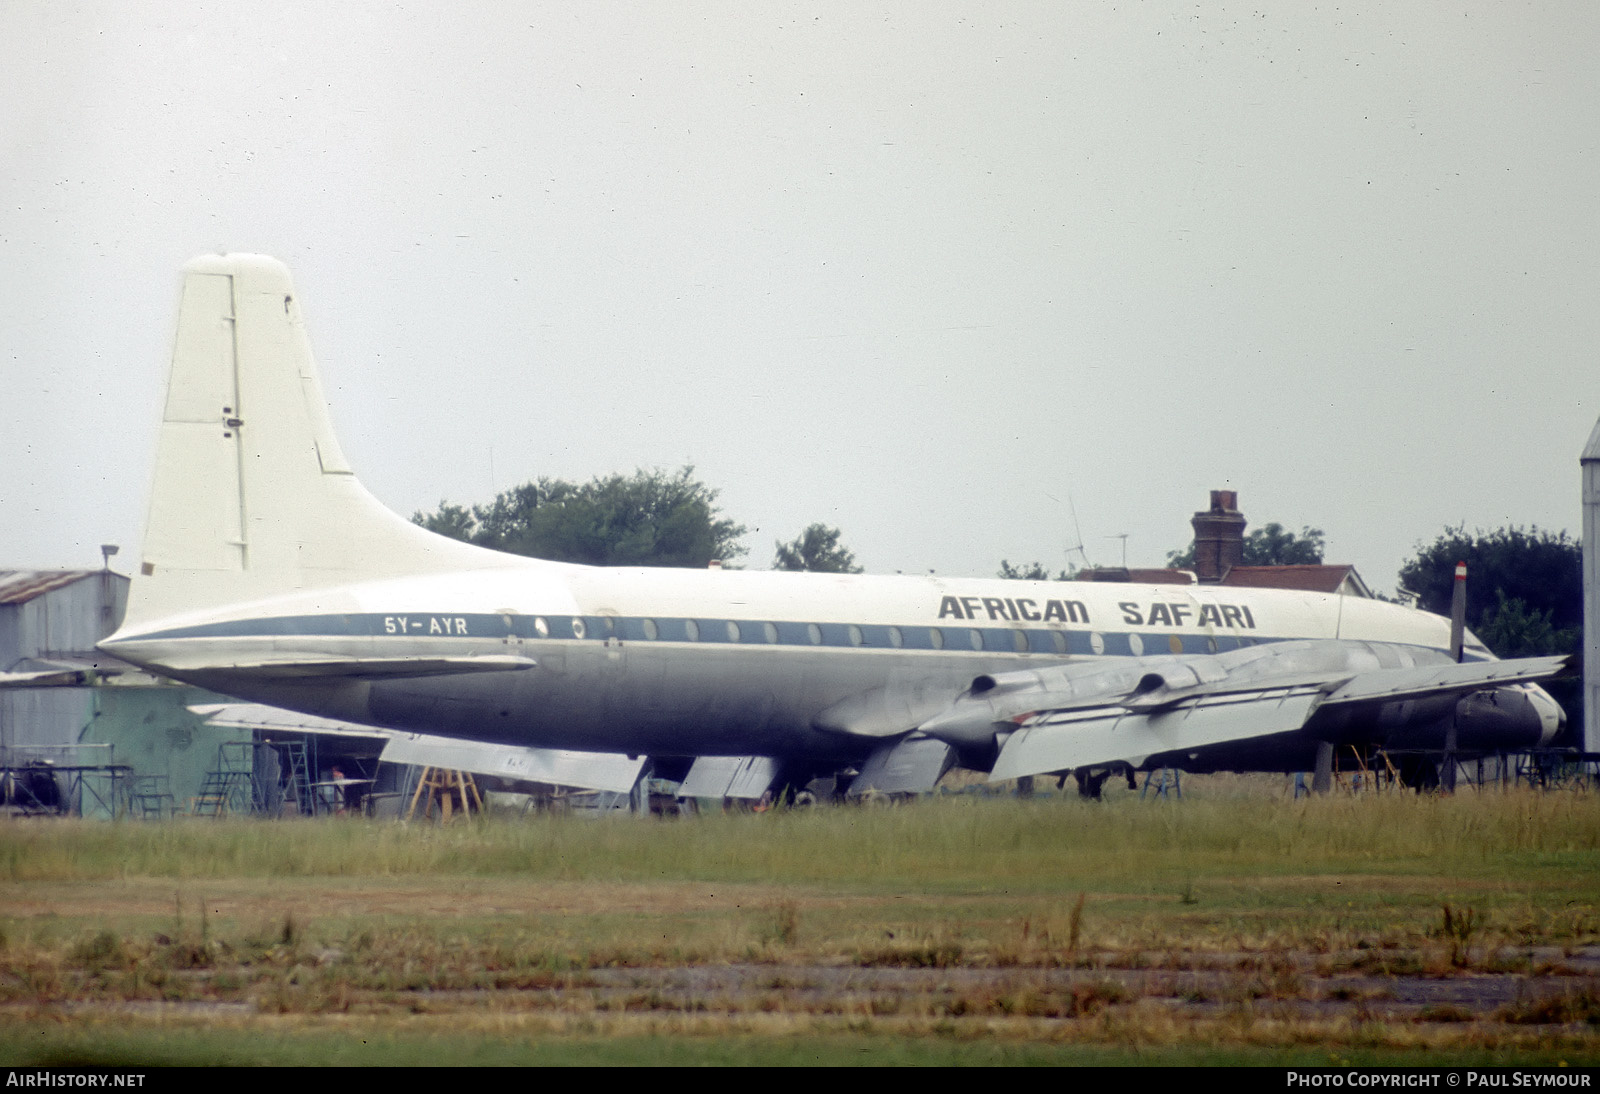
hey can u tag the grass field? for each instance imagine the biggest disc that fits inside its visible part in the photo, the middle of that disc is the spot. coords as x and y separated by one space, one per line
1234 925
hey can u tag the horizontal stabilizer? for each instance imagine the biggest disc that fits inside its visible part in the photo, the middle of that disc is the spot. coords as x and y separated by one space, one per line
66 672
553 767
53 678
1062 741
266 719
381 668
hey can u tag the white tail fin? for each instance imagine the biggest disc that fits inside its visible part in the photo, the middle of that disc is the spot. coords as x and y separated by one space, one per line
252 496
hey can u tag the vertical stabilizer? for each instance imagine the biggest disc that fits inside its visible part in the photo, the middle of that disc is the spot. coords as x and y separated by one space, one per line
252 496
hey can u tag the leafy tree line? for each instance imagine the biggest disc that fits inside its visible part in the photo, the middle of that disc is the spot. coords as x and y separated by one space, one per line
1270 545
649 518
817 550
1524 587
1524 596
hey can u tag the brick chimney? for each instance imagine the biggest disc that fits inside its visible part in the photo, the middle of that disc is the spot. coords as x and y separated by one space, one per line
1218 537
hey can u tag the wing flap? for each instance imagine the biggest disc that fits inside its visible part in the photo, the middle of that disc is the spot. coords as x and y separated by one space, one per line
729 777
910 766
1062 741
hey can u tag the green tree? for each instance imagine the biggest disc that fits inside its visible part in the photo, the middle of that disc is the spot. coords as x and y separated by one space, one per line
817 550
455 521
1524 595
1032 571
649 518
1524 587
1270 545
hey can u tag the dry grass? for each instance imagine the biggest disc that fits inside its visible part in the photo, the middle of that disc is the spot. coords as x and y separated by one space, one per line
1388 927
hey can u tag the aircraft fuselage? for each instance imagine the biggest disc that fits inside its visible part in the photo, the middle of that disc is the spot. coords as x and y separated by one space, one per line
708 662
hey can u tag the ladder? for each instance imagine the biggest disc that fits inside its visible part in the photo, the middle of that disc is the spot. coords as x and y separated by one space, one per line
227 787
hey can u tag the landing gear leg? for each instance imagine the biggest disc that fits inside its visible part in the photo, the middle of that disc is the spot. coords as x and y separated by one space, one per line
1090 782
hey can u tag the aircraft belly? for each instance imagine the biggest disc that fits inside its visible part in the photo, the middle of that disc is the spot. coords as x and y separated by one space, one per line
659 699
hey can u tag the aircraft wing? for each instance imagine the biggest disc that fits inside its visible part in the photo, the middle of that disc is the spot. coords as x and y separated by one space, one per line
1392 684
1084 716
554 767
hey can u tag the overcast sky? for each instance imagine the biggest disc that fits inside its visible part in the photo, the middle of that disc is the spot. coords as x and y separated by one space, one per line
940 274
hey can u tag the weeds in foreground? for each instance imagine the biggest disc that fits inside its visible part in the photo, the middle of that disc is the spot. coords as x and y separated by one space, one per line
1457 928
782 924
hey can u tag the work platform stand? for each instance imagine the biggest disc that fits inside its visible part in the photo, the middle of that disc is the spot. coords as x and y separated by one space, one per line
85 774
229 786
1165 779
1367 771
265 778
1384 769
452 790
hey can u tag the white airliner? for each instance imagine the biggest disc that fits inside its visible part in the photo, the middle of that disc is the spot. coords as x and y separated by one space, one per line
270 574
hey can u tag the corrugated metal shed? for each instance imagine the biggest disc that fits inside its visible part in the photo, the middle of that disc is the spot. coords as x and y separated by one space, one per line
19 586
45 613
50 615
55 617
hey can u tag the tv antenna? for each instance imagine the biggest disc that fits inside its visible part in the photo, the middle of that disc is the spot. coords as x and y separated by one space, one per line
1076 531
